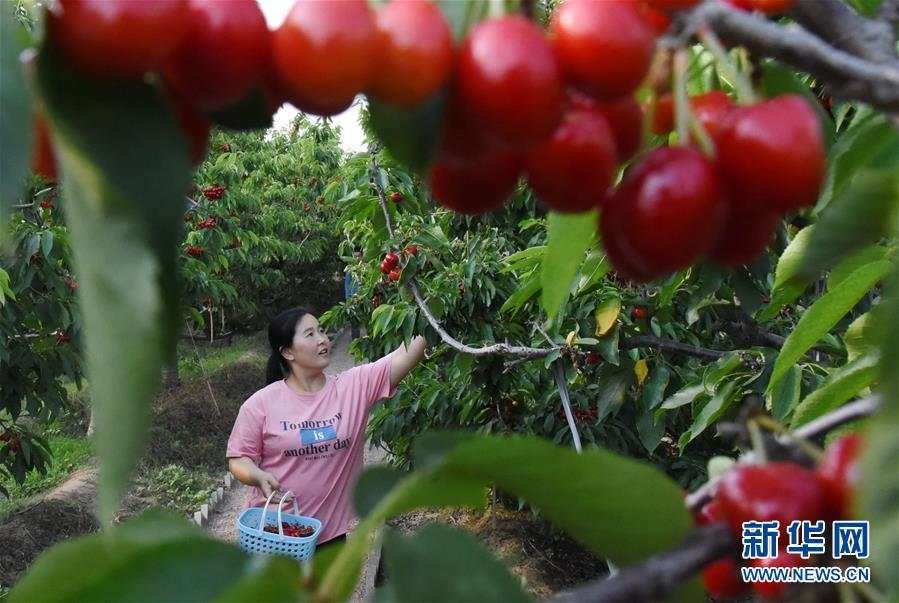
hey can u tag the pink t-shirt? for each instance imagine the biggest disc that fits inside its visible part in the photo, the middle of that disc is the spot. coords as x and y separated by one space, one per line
312 443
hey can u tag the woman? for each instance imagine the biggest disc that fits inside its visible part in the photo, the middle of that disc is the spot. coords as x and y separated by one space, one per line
305 431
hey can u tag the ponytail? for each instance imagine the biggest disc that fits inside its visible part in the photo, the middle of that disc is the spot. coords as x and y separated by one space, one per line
274 370
280 335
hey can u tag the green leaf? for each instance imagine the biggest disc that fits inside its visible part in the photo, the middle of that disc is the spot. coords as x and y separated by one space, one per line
444 564
715 407
155 557
411 135
786 396
823 315
5 290
15 120
843 384
788 285
522 295
868 255
608 346
862 215
683 397
125 216
570 235
855 150
864 334
250 113
373 486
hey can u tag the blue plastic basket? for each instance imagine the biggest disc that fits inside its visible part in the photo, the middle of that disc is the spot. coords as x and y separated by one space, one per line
253 539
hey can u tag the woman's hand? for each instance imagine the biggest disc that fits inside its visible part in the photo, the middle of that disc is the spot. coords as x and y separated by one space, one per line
267 482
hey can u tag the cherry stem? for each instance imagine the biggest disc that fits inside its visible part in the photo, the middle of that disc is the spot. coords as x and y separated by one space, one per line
741 83
681 102
758 442
810 449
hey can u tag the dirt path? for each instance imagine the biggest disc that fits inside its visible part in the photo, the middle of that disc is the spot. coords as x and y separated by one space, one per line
221 521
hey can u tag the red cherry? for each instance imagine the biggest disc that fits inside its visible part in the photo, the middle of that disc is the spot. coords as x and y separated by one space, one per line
670 6
839 472
639 313
501 63
592 357
571 171
396 197
663 114
473 185
394 275
711 109
657 20
324 53
778 491
772 154
416 52
43 159
384 268
604 48
392 260
624 116
411 249
118 38
722 579
667 213
224 56
776 590
770 7
744 237
744 5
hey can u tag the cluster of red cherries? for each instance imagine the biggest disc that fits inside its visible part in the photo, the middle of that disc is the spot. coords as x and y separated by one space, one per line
214 193
290 529
785 492
555 105
390 265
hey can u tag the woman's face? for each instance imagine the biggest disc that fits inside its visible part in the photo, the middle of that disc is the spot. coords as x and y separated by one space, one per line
311 348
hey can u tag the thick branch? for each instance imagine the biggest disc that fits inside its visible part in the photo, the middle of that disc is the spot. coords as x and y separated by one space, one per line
843 28
649 341
655 579
846 75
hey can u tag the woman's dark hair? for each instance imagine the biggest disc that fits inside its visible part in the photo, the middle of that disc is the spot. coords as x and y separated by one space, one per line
280 335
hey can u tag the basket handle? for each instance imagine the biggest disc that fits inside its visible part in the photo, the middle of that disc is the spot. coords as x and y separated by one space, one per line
296 510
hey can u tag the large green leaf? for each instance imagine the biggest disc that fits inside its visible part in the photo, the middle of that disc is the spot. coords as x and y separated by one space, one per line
15 116
570 235
824 314
597 496
156 557
444 564
871 136
411 135
855 261
862 215
786 395
878 491
864 334
125 214
843 384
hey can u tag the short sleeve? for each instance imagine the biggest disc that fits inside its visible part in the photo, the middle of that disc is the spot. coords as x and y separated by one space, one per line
373 380
246 435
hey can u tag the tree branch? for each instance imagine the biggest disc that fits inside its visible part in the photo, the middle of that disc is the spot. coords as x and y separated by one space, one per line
846 75
656 578
650 341
843 28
